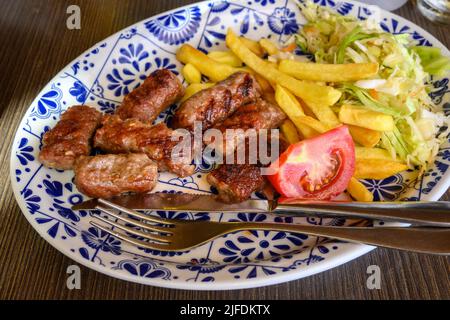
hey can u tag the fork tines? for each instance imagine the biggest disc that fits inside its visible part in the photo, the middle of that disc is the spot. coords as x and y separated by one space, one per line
155 234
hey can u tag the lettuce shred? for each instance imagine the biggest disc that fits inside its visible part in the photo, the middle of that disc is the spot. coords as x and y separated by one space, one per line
400 88
433 62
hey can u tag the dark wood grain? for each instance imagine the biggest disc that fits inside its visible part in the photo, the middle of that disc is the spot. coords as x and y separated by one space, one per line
35 45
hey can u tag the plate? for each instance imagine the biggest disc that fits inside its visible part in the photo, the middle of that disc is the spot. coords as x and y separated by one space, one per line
101 76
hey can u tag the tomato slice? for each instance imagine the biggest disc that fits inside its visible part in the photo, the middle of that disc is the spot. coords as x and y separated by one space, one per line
317 168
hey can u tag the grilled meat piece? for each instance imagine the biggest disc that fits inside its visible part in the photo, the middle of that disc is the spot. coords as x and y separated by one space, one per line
245 153
236 183
213 105
70 138
131 135
161 89
105 176
258 115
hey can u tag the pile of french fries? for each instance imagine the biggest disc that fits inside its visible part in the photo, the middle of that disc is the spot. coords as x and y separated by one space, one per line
301 90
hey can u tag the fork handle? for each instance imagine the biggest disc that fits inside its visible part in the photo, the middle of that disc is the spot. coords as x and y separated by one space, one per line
429 213
424 239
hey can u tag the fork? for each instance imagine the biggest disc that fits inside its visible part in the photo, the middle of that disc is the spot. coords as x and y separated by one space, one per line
180 235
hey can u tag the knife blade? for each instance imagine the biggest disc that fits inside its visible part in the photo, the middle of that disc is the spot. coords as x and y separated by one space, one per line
433 213
179 202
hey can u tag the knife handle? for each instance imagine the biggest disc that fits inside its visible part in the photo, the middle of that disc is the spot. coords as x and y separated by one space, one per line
430 213
417 239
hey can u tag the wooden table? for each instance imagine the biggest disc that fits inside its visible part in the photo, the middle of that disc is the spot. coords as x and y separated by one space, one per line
35 45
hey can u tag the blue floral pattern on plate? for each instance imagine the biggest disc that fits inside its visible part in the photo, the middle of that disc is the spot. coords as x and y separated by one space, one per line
283 21
48 103
114 67
176 27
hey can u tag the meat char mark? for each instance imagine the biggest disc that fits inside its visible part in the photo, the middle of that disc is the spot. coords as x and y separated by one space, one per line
131 135
236 183
70 138
161 89
213 105
105 176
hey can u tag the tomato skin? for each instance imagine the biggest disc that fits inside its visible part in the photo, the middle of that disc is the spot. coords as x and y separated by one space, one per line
318 168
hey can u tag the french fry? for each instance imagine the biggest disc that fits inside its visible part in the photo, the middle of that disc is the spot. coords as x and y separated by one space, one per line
269 46
289 131
226 57
358 116
328 72
365 137
306 109
308 91
247 69
324 113
263 83
313 123
358 191
253 46
268 92
191 74
373 153
214 70
272 64
194 88
290 105
377 169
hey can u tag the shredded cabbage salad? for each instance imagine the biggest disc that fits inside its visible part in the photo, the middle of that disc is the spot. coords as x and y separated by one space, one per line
400 88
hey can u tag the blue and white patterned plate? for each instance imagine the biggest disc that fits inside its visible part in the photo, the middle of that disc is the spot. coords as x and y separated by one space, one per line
104 74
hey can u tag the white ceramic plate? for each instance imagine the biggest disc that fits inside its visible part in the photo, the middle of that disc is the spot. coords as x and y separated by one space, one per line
102 75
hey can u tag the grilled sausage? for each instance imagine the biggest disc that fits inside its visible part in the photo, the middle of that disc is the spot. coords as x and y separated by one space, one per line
213 105
161 89
105 176
131 135
70 138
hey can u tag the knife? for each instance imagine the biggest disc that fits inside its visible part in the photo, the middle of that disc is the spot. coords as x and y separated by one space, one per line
431 213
